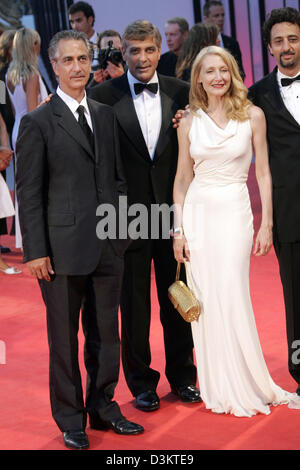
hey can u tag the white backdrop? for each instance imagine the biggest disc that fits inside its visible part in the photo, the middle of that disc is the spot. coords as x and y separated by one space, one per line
117 14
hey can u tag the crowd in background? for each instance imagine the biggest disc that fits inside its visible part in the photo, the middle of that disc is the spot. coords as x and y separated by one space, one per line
25 87
113 112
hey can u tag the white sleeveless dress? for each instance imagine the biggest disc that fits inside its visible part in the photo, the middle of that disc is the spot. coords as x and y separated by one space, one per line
218 225
18 99
6 204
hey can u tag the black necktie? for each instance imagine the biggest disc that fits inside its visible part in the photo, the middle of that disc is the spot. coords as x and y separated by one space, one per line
84 125
289 81
139 87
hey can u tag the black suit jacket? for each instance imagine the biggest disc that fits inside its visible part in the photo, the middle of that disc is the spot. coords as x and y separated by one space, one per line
167 64
234 48
283 134
148 181
61 182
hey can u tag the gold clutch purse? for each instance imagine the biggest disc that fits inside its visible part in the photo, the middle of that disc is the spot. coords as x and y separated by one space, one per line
183 299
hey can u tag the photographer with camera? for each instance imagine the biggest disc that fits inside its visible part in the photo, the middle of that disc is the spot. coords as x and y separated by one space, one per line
111 64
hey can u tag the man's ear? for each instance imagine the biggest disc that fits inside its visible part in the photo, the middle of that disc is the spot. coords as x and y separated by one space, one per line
53 63
270 50
90 20
123 50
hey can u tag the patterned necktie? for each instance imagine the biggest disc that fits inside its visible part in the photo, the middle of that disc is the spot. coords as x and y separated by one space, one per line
84 125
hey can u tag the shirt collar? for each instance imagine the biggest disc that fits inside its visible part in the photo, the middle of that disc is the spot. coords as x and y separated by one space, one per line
281 75
132 80
71 102
93 39
221 40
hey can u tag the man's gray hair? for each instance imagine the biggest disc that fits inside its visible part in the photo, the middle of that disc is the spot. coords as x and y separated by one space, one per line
209 4
182 23
139 31
68 35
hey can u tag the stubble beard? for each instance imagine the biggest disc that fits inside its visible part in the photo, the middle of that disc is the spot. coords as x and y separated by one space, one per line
287 65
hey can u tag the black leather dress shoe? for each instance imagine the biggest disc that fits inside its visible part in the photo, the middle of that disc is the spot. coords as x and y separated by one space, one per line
147 401
298 390
5 249
119 425
188 394
76 439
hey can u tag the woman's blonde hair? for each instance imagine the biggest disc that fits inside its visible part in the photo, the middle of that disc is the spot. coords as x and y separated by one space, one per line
236 101
6 40
24 62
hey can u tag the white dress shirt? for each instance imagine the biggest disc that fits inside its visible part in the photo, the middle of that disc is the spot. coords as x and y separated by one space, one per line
148 109
290 95
73 106
94 39
221 44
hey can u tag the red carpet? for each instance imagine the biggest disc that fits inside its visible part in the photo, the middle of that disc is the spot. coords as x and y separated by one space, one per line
25 418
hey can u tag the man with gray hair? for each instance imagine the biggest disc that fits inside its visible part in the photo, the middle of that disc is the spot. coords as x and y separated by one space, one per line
145 103
68 165
176 31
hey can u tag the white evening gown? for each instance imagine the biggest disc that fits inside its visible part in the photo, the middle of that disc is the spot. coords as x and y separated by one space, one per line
218 225
18 98
6 204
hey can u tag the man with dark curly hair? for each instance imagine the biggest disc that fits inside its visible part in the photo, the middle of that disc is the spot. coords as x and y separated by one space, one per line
278 94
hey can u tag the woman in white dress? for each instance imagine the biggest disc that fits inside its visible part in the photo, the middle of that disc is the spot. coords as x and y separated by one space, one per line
213 234
25 86
6 205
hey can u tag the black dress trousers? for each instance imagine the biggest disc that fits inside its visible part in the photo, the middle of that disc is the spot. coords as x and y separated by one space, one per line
98 294
288 255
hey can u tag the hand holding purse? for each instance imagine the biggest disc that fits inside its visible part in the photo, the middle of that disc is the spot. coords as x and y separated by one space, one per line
183 299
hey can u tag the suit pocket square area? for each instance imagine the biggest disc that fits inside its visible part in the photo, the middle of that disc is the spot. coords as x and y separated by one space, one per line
61 219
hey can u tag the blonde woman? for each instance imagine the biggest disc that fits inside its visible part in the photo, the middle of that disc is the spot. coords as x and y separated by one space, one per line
25 86
6 42
6 205
214 232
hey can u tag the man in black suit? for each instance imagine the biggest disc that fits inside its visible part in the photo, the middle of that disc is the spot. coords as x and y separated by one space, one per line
68 165
278 94
176 31
213 12
145 104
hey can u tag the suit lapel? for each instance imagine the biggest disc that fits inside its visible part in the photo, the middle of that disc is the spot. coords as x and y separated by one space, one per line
67 121
97 125
168 111
275 99
127 117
